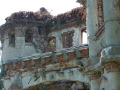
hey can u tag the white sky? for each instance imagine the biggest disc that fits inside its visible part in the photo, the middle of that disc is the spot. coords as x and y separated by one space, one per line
7 7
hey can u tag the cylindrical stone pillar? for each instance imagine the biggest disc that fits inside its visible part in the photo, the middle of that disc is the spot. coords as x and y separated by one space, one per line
113 70
111 10
92 26
92 17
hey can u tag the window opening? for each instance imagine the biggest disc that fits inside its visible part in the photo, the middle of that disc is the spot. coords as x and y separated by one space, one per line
12 39
28 36
84 37
67 39
52 44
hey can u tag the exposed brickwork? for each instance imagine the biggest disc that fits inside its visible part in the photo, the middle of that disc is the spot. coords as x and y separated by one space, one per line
47 60
112 67
27 63
84 52
18 65
10 66
59 58
37 63
71 55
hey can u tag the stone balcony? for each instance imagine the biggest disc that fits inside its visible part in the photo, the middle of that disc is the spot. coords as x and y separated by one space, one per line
64 65
49 61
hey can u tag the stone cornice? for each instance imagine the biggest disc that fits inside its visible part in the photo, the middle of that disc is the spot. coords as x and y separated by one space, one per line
110 54
110 58
70 24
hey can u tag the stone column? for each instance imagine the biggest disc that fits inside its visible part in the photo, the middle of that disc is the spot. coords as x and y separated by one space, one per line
110 55
111 10
94 80
92 17
113 70
92 27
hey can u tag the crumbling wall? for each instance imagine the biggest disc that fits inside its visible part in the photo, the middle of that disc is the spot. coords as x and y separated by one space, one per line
19 48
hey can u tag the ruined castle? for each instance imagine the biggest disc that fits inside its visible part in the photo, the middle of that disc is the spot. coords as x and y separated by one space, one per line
45 52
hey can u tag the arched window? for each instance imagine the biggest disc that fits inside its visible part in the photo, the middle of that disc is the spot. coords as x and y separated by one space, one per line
28 36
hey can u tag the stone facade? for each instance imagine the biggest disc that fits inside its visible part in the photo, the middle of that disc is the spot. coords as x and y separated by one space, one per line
45 52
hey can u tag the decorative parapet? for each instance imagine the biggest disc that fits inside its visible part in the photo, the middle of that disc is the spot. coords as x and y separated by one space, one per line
64 58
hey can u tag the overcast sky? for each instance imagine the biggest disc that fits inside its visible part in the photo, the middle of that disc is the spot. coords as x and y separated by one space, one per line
7 7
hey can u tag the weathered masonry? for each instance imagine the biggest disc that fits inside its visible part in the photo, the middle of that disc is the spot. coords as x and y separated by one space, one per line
103 29
45 52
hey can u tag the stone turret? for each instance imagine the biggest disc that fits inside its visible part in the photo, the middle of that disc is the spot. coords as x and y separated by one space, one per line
18 42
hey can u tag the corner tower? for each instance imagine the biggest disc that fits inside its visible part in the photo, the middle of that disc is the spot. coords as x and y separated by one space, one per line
21 34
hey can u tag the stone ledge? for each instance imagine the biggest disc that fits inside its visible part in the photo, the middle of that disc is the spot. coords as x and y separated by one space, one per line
64 58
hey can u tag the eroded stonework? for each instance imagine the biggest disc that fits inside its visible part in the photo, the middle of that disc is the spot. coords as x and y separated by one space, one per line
45 52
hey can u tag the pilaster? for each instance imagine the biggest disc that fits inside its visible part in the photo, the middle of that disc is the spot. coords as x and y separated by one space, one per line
92 27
